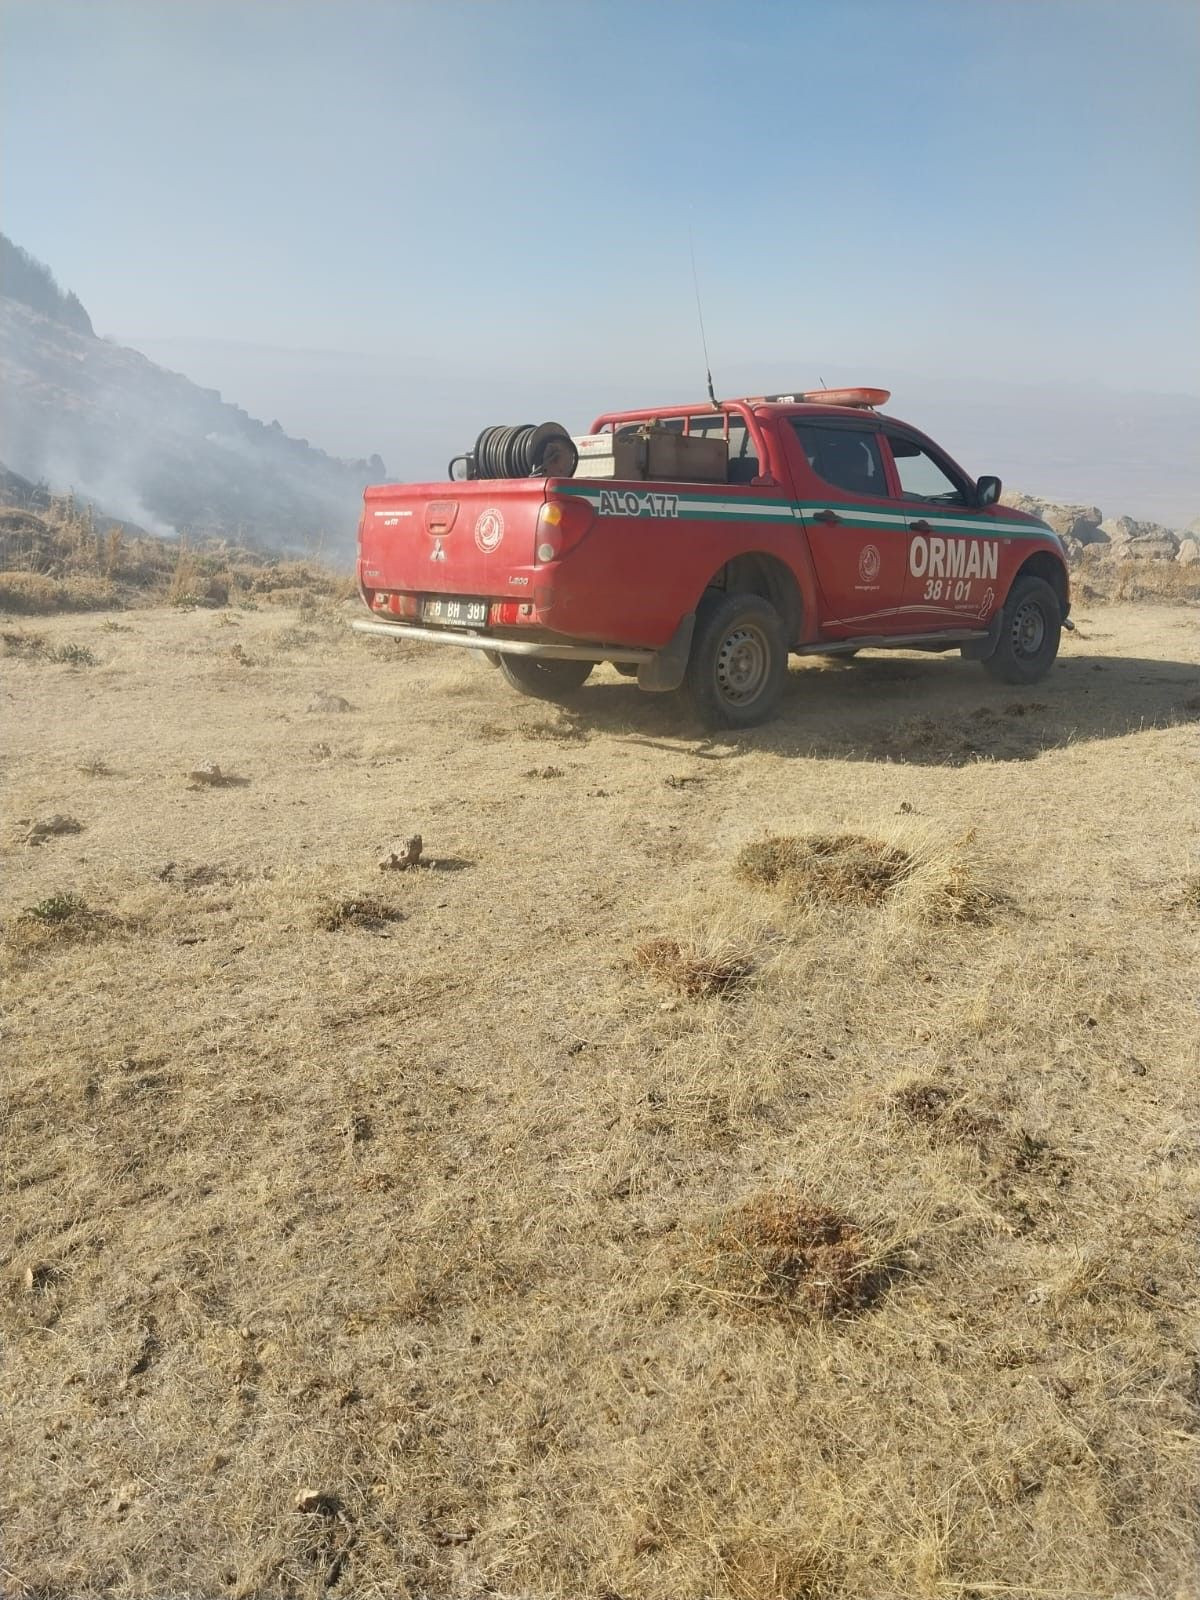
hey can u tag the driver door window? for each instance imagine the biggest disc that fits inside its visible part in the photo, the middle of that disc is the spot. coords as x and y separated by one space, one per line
921 477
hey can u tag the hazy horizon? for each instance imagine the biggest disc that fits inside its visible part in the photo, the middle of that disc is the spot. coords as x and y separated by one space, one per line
388 225
1068 442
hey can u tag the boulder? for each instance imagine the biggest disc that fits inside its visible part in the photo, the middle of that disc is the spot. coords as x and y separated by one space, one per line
1131 540
1189 551
1143 549
1068 521
1075 522
1126 530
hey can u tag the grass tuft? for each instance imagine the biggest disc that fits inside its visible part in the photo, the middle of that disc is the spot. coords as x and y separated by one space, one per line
60 919
693 970
20 642
825 869
781 1252
94 767
72 655
956 895
359 911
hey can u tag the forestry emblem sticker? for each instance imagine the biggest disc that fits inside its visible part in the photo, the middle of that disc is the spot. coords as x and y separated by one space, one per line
489 530
869 563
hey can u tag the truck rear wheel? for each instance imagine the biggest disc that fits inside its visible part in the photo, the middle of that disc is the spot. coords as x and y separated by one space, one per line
545 679
1030 628
738 663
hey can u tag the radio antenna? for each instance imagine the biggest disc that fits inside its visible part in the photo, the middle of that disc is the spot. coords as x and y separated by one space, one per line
700 314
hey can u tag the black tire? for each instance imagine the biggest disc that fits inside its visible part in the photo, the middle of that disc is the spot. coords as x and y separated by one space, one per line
1030 628
545 679
738 663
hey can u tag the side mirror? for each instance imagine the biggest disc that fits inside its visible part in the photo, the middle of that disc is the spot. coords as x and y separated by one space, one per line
987 492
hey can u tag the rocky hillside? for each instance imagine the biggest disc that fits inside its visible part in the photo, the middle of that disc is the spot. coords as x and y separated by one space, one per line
150 446
1085 530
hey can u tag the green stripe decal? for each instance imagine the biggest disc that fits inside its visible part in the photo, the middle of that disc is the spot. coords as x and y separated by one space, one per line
701 505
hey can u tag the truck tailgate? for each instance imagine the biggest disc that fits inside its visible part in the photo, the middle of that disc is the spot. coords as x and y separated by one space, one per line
470 538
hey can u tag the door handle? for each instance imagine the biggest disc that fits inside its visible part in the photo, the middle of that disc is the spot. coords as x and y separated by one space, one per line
826 516
919 527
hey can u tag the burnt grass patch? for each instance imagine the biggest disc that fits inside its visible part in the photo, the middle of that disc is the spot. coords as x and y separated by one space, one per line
782 1254
693 972
941 1110
1015 1161
826 869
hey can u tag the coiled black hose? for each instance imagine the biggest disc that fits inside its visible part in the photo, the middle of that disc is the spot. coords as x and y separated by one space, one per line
519 452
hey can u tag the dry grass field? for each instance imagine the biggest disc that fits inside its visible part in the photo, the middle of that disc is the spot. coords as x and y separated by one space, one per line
762 1168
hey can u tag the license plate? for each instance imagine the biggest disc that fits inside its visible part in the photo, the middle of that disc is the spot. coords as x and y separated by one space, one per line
456 613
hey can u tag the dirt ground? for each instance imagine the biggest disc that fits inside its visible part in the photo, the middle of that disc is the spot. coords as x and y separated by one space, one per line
636 1200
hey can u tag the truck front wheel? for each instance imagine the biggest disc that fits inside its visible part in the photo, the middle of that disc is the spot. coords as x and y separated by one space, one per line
545 679
738 662
1030 629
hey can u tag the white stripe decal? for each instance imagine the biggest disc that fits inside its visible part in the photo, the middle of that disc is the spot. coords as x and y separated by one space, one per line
782 510
983 530
873 517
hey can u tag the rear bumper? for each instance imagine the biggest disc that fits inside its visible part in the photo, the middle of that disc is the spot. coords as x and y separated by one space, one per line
504 646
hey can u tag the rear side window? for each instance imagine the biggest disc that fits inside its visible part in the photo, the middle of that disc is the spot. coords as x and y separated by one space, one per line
743 458
847 458
743 462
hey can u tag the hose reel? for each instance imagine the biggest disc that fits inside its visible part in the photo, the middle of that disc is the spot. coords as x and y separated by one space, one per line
524 451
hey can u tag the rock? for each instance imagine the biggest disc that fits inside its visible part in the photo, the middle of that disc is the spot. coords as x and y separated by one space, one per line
212 776
1074 522
329 703
1131 540
1072 548
123 1497
1068 521
409 857
1142 550
1127 530
1188 552
315 1502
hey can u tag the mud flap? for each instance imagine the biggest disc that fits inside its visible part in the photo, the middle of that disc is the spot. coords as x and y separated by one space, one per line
665 672
981 649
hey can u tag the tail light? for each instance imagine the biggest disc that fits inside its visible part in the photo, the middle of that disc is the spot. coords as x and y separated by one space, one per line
510 614
561 524
397 605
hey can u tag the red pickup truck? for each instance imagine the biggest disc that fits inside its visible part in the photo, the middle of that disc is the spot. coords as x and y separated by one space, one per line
834 528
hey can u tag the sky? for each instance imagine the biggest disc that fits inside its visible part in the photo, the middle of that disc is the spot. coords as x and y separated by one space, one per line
448 197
